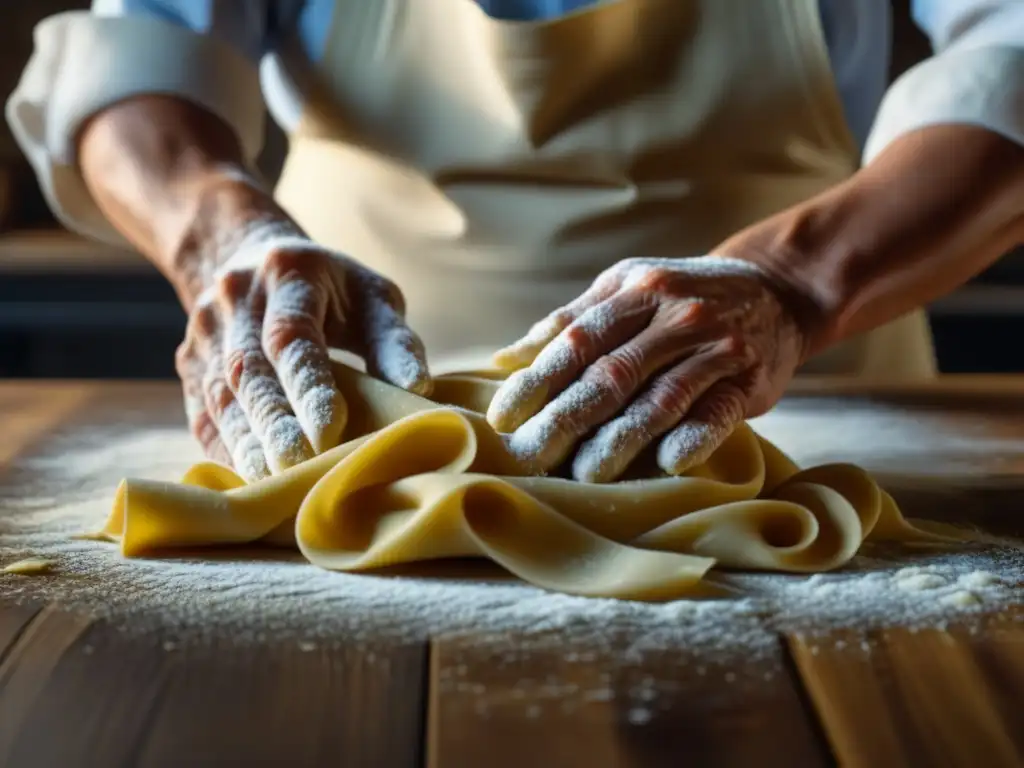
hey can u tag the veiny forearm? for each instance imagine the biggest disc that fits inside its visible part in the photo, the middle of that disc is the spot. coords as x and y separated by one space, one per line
170 177
932 211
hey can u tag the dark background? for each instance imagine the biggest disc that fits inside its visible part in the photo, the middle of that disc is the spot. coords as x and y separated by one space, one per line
74 309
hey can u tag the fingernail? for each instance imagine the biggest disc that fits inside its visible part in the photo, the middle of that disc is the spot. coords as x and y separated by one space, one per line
516 401
423 386
514 357
323 413
686 447
249 460
286 444
404 368
530 444
605 456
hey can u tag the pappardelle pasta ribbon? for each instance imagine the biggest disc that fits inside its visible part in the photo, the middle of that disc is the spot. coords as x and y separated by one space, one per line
416 480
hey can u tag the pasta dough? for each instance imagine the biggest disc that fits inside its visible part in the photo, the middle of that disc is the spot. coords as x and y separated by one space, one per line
32 566
417 480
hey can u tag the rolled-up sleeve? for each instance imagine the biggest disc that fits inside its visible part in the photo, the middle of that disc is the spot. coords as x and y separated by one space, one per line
206 51
976 76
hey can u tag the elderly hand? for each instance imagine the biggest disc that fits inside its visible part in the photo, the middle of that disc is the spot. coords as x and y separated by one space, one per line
678 351
259 391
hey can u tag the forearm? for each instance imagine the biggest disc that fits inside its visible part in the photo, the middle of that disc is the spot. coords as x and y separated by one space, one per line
171 178
934 209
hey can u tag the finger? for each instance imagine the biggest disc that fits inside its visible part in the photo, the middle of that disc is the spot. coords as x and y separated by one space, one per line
523 352
393 352
601 393
709 422
244 448
659 408
594 333
202 426
294 344
188 364
252 379
248 456
546 439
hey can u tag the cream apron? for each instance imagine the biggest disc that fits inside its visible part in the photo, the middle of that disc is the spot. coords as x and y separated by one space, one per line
493 168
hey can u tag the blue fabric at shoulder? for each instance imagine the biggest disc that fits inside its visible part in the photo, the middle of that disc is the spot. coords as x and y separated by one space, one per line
527 10
242 23
975 22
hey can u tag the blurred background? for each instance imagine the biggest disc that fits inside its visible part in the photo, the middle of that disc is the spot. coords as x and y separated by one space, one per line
73 309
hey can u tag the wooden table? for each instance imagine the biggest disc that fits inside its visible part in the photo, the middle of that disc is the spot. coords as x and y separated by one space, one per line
76 689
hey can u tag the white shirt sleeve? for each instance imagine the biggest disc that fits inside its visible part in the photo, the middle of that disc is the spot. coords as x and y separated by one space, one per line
206 51
976 76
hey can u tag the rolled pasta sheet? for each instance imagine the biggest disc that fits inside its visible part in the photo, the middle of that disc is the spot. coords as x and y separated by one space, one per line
416 480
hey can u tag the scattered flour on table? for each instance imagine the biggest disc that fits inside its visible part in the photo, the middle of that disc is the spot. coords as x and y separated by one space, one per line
255 595
887 437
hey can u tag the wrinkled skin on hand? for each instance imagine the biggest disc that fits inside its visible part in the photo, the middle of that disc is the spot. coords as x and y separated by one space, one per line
672 352
259 392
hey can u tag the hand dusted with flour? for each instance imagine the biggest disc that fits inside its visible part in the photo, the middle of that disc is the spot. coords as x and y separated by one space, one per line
264 301
679 351
259 392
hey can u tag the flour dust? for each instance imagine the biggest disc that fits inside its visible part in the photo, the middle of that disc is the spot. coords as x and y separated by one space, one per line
260 594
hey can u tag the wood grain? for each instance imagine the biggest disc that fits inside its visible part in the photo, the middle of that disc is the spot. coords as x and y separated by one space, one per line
950 450
292 705
78 692
13 620
917 698
498 702
145 700
30 411
27 667
103 692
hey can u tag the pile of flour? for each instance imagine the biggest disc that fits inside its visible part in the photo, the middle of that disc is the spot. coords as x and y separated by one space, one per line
259 595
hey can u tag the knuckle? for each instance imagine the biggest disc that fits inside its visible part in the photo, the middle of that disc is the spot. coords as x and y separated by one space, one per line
684 315
734 345
626 265
205 431
280 332
299 299
234 367
576 340
293 263
598 321
656 279
233 285
218 395
620 370
397 299
672 395
726 406
184 360
379 289
203 322
283 262
568 351
561 318
242 362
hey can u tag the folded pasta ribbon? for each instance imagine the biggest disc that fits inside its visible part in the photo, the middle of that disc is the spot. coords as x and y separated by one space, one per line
416 480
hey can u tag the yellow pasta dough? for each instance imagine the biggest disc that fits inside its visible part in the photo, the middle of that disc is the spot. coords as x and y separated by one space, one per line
417 480
32 566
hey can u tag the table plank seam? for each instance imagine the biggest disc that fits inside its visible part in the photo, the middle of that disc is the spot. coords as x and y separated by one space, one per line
8 654
817 725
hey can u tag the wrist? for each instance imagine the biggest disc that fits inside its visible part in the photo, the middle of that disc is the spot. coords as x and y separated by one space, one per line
228 209
934 209
804 258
